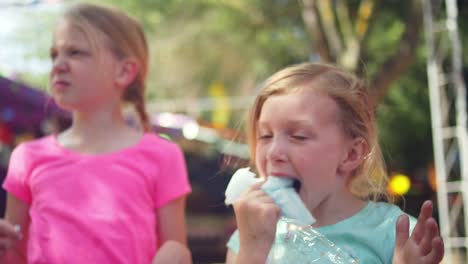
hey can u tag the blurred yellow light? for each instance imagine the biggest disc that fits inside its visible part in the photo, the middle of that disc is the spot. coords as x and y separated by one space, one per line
399 184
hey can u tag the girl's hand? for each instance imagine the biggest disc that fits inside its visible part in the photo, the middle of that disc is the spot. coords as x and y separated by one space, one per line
256 216
8 236
425 245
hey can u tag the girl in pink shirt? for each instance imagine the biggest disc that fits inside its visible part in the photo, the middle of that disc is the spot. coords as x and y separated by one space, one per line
101 191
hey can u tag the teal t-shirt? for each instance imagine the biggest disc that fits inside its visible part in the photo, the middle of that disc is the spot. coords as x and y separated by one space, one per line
368 236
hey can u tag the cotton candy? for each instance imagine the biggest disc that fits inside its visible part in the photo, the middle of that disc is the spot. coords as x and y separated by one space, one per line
280 189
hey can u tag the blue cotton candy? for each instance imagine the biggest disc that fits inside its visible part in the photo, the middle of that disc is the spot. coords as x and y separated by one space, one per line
281 190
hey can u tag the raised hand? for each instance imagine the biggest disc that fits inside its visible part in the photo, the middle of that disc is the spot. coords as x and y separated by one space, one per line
256 216
424 246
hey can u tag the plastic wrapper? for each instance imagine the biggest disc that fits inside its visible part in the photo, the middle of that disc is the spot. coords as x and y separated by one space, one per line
296 240
303 244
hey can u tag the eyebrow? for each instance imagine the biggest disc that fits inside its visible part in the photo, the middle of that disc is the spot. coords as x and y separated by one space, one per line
66 46
293 122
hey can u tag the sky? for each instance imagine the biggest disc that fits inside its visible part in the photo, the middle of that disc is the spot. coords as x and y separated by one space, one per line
25 31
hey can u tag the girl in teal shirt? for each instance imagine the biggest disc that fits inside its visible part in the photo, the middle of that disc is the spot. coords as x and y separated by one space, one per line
315 123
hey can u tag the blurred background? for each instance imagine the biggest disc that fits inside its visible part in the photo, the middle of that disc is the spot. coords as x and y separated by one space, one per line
208 57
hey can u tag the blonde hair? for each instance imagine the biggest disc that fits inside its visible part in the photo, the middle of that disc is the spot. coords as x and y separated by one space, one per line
356 116
126 39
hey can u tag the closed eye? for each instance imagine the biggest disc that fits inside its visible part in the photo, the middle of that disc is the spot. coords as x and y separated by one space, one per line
265 136
74 52
299 137
53 55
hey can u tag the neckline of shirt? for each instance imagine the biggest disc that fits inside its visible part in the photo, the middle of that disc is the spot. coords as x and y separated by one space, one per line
73 152
351 218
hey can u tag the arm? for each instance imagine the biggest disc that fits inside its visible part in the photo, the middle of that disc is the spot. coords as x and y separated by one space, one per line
424 245
231 257
16 213
173 252
172 235
171 222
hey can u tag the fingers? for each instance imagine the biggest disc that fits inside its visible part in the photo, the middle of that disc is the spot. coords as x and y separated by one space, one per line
256 186
256 217
426 235
402 231
8 235
424 215
431 232
5 244
254 201
8 230
437 253
432 245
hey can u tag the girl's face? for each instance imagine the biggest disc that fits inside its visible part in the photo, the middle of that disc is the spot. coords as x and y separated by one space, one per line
298 136
82 78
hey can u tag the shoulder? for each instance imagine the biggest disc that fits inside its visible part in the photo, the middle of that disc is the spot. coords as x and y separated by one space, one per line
24 159
370 234
376 220
36 147
155 145
386 209
383 214
37 143
152 140
154 149
389 214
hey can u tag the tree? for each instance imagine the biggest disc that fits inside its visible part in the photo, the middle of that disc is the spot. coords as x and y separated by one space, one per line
342 36
238 43
376 39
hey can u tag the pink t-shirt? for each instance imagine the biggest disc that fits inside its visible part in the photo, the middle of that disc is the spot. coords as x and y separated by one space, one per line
95 208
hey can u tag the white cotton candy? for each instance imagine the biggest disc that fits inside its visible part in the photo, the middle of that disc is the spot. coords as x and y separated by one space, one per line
280 189
241 180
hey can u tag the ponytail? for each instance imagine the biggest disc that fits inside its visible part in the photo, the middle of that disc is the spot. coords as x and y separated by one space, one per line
134 95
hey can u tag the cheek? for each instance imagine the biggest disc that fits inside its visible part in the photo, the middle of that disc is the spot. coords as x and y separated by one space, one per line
303 165
260 159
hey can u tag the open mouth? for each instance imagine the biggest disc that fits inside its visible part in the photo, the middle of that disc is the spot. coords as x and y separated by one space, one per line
297 185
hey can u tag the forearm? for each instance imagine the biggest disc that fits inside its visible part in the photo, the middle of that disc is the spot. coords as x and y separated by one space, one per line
171 222
173 252
252 255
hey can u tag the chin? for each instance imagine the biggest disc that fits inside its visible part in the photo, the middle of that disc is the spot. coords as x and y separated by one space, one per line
67 105
64 105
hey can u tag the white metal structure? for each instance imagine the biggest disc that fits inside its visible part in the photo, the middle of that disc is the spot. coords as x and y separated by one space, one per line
449 124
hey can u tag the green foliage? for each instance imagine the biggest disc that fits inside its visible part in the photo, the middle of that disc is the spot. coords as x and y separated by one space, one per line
405 117
405 124
31 42
240 42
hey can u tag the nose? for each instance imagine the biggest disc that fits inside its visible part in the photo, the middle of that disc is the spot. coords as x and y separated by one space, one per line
59 65
277 150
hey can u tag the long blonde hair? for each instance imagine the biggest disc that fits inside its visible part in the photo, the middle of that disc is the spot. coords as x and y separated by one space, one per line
126 39
356 116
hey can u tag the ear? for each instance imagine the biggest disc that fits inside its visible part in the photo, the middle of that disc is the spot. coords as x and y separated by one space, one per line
355 155
126 72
